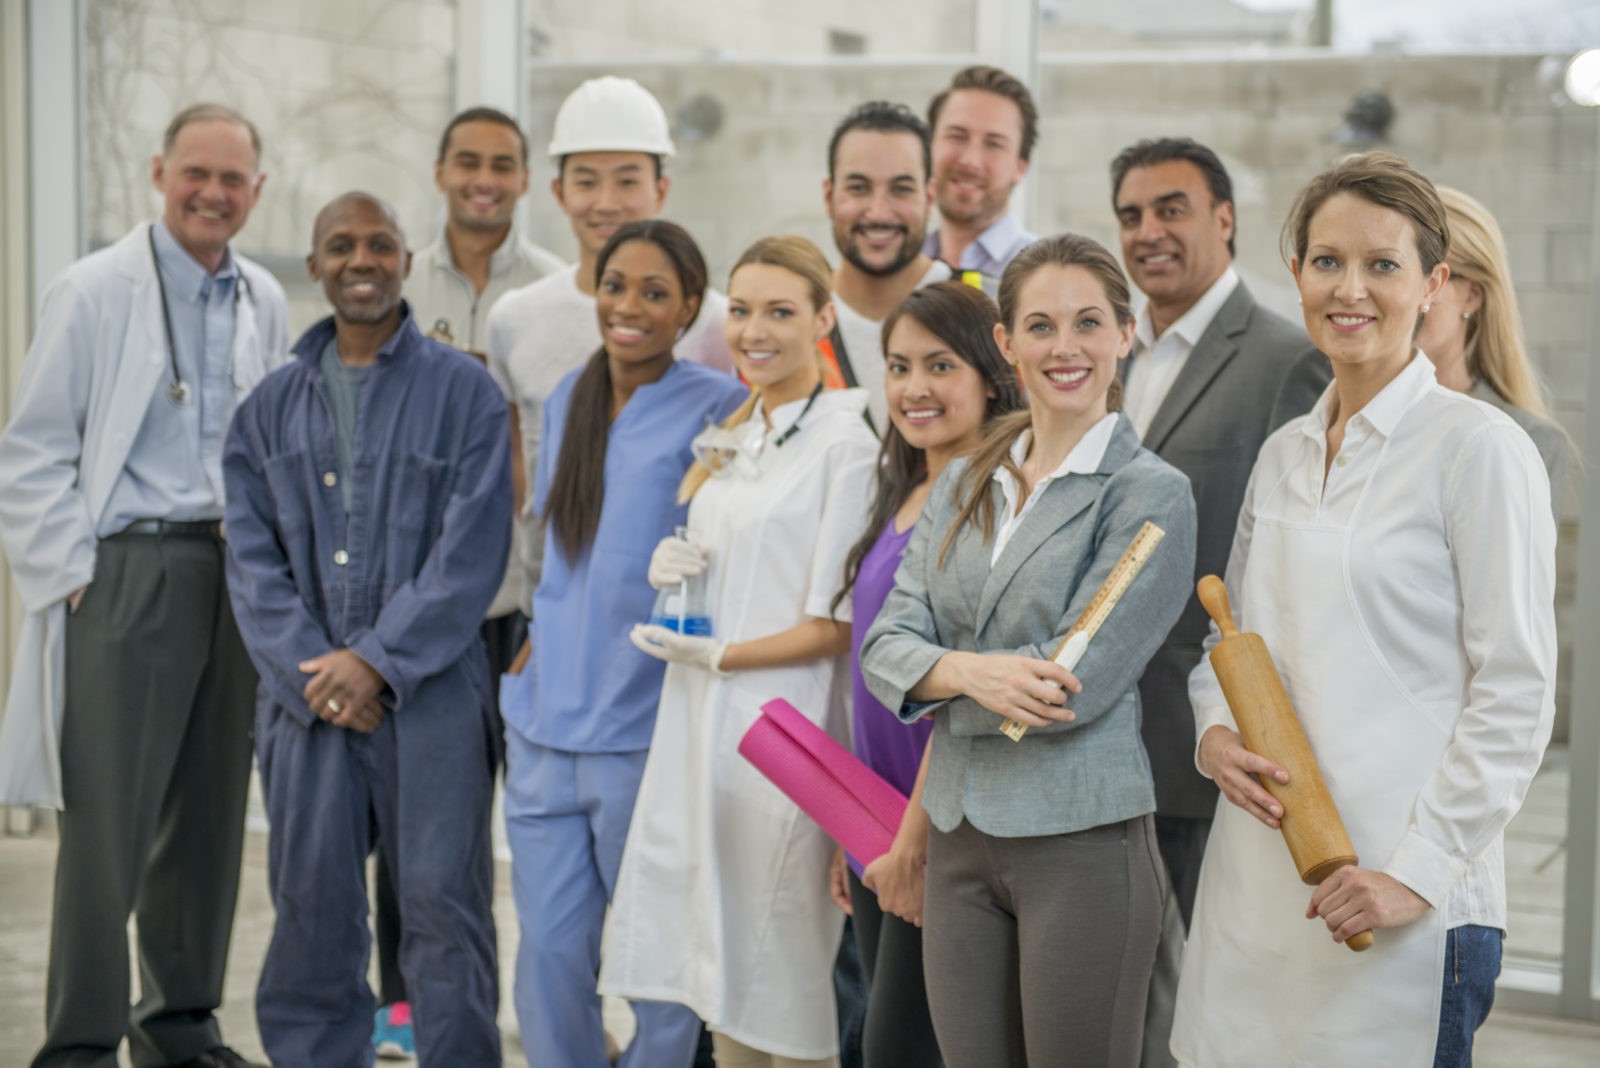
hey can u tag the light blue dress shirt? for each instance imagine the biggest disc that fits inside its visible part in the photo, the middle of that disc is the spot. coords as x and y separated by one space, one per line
174 467
992 250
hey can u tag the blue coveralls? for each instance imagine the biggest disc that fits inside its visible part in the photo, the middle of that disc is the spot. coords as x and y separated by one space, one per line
403 579
579 721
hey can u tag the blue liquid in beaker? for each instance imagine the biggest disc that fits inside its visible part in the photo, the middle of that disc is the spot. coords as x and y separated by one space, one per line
699 626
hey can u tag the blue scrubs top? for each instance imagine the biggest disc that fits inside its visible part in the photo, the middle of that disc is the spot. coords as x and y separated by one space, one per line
591 690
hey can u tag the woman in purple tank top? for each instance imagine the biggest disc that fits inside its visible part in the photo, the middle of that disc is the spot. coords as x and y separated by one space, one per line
944 380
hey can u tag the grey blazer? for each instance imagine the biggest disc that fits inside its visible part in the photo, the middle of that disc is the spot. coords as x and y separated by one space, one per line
1251 372
1067 776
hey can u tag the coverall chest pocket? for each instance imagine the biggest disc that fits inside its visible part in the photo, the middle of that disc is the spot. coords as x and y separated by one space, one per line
416 494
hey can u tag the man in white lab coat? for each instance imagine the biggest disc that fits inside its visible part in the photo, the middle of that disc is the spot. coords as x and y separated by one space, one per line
131 697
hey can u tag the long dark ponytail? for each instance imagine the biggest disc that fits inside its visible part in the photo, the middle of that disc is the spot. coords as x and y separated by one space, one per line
963 318
577 490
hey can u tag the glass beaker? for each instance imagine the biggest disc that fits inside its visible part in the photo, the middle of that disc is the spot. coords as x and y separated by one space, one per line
684 607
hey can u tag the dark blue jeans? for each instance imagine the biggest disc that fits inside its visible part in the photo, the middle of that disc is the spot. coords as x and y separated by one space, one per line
1471 965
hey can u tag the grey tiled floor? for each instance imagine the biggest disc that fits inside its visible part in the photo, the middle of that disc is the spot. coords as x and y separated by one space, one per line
1535 858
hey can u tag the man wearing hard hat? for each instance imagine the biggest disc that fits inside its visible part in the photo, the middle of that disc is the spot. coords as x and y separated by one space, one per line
609 144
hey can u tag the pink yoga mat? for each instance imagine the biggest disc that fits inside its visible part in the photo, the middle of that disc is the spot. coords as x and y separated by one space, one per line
851 802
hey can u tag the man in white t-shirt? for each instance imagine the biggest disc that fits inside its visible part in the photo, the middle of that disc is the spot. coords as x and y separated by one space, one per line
610 142
878 199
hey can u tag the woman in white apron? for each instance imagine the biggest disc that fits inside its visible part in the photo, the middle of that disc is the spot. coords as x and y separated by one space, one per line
1396 552
722 900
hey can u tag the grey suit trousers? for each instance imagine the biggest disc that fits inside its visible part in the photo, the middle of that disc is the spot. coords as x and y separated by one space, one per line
1038 950
155 763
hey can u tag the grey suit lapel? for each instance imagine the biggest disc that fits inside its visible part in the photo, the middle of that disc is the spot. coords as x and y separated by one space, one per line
1062 502
1211 353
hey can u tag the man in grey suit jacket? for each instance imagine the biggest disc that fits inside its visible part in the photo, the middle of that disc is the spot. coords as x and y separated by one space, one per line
1212 373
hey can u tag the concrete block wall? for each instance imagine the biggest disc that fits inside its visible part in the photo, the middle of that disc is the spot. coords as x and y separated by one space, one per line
1486 124
359 101
653 30
347 95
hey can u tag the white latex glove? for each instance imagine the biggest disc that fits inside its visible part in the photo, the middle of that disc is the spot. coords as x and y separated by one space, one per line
675 560
665 644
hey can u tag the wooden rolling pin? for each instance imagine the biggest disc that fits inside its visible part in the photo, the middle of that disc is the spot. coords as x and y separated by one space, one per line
1267 722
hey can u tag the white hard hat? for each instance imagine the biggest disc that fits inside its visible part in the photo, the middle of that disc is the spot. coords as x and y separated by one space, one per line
611 114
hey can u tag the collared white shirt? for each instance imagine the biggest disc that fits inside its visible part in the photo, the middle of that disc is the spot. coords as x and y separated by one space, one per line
1446 508
1157 361
1084 459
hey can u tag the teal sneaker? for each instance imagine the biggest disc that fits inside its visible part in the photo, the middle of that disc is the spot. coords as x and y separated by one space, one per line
392 1036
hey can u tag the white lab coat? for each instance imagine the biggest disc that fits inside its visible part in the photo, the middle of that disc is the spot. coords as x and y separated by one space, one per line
98 357
721 902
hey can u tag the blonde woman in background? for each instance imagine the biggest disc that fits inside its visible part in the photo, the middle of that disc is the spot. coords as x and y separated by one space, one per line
1473 333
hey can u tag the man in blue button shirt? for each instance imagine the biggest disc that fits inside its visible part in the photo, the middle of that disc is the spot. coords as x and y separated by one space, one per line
369 517
131 697
984 127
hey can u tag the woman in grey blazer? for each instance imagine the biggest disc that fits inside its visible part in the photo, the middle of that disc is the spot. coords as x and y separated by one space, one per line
1043 898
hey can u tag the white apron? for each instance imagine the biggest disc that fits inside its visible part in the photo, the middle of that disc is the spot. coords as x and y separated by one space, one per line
1262 985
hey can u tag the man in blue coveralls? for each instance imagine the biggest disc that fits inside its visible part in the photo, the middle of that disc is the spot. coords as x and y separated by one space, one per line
368 520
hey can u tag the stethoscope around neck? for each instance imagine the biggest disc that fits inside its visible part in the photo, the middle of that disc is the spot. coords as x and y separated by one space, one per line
178 391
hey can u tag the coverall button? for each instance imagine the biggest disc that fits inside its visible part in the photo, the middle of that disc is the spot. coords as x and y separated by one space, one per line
341 557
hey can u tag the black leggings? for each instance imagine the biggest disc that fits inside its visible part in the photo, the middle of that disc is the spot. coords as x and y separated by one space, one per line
899 1031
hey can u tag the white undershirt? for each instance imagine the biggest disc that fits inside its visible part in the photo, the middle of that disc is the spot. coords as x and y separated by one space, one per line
1156 361
863 345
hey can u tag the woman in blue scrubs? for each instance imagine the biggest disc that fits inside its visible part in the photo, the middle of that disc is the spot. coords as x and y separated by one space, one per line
580 716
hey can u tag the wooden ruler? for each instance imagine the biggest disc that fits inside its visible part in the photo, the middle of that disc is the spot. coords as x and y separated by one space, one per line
1105 599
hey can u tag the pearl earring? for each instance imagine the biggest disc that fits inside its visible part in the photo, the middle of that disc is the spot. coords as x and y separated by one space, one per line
1466 315
1425 308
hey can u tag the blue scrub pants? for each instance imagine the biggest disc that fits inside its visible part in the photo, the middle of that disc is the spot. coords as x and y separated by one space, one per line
567 818
422 782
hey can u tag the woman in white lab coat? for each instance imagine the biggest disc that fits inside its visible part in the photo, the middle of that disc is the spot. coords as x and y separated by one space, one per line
722 900
1396 552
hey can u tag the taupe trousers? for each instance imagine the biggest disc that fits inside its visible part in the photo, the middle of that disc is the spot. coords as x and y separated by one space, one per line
155 763
1038 950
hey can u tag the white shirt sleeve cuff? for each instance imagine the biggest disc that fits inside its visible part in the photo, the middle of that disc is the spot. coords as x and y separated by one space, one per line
1206 717
1424 867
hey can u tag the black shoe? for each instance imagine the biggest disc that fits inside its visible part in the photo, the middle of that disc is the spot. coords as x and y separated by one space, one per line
220 1057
